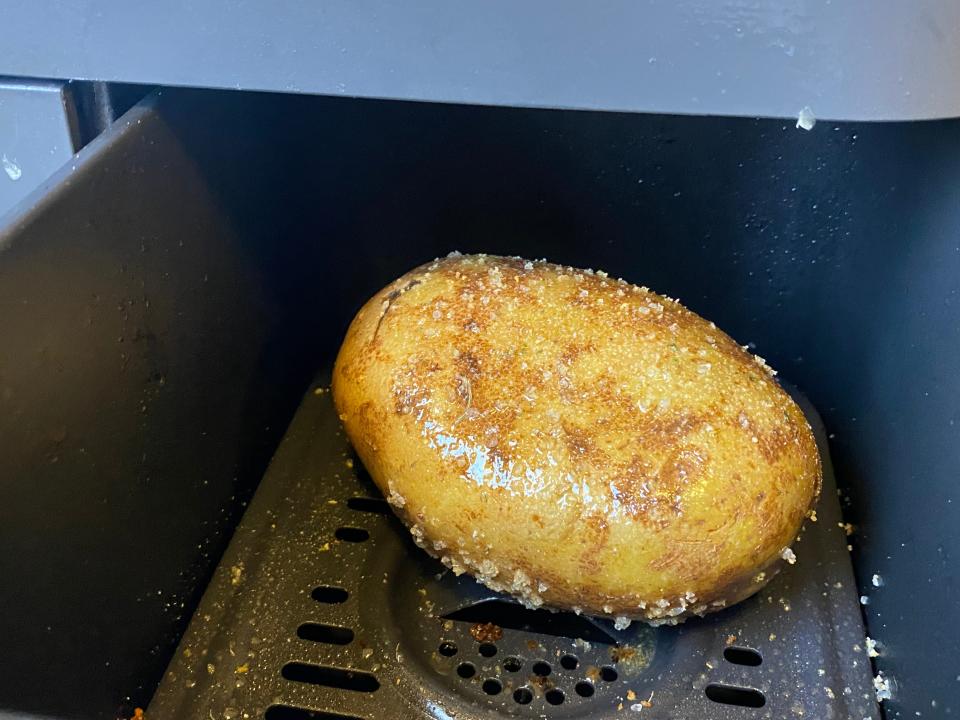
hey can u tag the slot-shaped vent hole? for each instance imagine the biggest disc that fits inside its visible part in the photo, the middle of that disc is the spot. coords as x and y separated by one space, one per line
569 662
492 686
331 634
330 595
370 505
512 616
739 655
466 670
608 674
355 680
351 534
733 695
447 649
584 689
289 712
487 649
554 696
541 668
512 664
522 696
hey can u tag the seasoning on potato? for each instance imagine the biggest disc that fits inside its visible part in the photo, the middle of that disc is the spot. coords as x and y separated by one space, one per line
576 441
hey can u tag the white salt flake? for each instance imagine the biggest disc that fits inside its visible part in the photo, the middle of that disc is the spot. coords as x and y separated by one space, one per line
788 555
806 119
877 580
621 623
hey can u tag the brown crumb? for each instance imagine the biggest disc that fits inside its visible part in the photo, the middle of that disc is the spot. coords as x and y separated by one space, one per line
622 653
138 714
731 639
593 674
649 701
532 645
486 632
631 695
241 669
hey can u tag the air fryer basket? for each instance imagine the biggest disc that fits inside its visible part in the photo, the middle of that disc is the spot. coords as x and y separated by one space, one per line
324 608
166 298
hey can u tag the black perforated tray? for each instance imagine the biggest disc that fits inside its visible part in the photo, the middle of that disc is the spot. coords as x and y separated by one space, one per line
323 608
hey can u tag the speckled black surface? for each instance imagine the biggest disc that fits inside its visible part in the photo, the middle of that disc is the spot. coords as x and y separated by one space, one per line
232 662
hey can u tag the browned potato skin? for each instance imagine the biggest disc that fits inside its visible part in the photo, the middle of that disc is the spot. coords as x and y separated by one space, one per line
574 440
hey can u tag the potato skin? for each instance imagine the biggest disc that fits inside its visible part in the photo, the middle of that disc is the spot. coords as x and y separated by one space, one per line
577 441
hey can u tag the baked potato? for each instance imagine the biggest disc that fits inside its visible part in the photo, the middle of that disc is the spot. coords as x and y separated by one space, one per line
573 440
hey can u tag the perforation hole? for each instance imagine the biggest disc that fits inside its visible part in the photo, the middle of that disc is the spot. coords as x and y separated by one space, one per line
330 595
351 534
541 668
739 655
487 649
608 674
330 634
584 689
466 670
355 680
492 686
569 662
512 664
289 712
554 696
733 695
447 649
370 505
522 696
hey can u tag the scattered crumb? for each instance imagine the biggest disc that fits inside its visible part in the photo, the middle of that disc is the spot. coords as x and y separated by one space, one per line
872 647
812 515
325 547
138 714
731 639
211 668
788 555
821 672
319 391
829 692
847 528
332 502
877 580
864 600
241 669
621 623
806 119
486 632
773 636
348 462
631 695
236 573
882 687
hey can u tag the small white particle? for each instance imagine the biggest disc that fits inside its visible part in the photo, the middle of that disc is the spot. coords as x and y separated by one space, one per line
788 555
877 580
882 687
806 119
864 600
12 168
621 623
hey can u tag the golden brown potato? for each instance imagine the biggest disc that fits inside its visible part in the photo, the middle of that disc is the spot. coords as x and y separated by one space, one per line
576 441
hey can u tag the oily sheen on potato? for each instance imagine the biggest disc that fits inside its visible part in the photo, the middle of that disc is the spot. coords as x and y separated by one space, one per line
574 440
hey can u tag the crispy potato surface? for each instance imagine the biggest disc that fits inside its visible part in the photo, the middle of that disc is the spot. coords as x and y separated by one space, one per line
576 441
